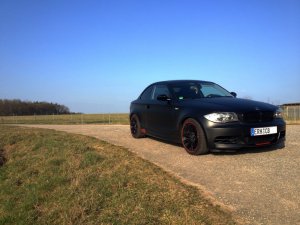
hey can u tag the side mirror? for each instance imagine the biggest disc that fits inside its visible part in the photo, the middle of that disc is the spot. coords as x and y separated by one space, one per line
163 98
234 94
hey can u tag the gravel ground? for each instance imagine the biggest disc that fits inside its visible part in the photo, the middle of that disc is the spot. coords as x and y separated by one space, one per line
261 186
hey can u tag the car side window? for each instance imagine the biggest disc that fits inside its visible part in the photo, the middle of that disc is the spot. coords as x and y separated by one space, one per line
147 94
160 90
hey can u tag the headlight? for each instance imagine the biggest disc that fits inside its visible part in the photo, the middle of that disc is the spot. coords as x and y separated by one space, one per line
222 117
278 113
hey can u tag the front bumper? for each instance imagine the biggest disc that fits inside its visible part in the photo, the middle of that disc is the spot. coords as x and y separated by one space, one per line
237 135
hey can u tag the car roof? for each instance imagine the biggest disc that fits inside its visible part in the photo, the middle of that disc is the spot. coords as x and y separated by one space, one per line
180 81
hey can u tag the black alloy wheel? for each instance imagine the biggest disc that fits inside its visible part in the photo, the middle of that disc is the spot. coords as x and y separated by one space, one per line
135 127
193 138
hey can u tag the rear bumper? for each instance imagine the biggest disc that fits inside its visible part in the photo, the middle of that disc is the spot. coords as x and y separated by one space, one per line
237 135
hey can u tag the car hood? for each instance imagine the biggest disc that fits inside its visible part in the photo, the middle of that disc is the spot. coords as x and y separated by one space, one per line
228 104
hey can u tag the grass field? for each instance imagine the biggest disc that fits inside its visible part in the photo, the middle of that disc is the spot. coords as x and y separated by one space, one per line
51 177
67 119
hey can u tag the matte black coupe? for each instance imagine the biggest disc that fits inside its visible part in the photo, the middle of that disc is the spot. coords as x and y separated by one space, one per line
204 116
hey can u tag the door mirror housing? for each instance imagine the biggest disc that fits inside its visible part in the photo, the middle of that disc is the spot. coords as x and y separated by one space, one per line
234 94
163 98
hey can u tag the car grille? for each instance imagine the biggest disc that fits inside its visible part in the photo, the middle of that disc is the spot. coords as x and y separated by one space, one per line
257 116
227 140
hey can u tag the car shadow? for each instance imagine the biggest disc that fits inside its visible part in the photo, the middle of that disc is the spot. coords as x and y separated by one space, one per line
166 142
218 152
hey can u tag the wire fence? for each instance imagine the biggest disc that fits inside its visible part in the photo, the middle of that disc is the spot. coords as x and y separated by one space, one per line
122 118
291 115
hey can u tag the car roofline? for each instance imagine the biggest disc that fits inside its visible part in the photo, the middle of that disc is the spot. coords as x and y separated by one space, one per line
179 81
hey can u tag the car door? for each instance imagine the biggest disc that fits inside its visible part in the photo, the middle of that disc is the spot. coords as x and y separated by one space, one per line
160 116
145 101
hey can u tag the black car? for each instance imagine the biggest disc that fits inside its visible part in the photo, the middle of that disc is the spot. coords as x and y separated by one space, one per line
204 116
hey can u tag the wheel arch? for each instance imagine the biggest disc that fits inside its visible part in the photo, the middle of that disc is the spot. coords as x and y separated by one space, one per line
134 113
190 116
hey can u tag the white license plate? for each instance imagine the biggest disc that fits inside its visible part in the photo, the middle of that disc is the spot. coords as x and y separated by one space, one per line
263 131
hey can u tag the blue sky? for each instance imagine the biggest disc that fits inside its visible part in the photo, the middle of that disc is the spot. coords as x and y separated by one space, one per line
97 56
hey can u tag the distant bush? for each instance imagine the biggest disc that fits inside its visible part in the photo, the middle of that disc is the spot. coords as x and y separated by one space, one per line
18 107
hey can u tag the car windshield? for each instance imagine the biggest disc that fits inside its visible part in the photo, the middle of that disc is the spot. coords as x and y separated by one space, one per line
196 90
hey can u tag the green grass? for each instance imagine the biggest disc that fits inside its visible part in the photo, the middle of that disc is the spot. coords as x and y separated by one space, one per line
122 118
52 177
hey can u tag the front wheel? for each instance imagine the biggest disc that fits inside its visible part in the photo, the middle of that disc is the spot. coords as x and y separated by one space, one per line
193 138
135 127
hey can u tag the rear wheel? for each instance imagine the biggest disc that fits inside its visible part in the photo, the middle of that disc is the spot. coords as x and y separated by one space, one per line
135 127
193 138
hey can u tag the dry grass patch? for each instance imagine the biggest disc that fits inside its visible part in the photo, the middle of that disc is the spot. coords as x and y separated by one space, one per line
53 177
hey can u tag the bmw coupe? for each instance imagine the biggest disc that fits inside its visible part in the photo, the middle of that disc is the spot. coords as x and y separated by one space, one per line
203 116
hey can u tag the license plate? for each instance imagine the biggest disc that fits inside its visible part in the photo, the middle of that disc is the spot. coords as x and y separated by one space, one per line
263 131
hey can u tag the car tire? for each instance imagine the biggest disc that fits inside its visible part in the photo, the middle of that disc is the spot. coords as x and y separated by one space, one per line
135 127
193 138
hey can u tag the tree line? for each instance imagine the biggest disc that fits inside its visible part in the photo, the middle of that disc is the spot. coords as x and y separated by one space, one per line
20 108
